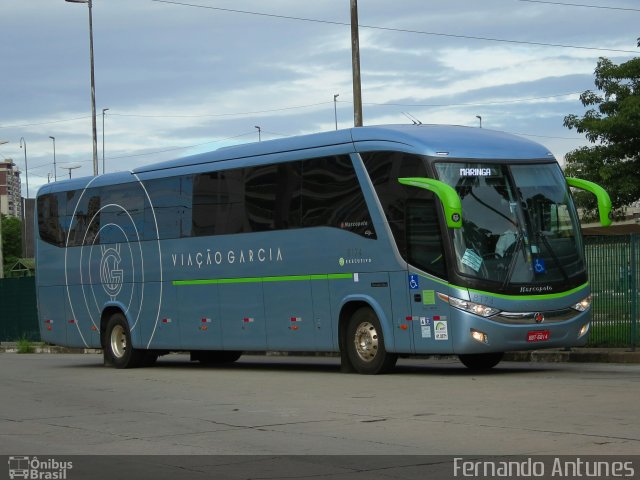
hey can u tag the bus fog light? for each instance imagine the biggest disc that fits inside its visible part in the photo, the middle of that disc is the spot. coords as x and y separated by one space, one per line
584 330
479 336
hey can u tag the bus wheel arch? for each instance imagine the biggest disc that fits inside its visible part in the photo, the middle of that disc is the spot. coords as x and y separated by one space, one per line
363 348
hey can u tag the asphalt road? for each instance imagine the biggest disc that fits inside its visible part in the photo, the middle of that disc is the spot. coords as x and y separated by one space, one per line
70 404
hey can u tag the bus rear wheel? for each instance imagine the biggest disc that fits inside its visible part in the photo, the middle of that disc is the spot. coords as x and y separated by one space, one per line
118 350
481 361
365 344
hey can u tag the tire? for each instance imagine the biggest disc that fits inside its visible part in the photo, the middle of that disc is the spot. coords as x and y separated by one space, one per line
481 361
365 344
215 357
117 345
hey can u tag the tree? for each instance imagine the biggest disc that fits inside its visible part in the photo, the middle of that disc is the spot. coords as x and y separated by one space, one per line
612 124
11 241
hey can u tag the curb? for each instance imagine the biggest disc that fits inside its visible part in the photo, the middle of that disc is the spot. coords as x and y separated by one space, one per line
586 355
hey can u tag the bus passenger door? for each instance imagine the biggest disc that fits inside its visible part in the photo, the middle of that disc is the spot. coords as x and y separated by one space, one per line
288 308
430 316
200 322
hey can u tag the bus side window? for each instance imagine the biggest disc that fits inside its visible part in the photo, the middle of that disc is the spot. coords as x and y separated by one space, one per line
272 196
424 242
170 202
331 196
218 203
51 218
122 216
84 225
411 212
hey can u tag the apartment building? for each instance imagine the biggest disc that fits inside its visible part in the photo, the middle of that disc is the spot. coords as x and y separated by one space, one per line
10 193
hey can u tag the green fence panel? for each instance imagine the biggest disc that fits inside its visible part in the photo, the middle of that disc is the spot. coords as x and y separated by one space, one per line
613 272
18 309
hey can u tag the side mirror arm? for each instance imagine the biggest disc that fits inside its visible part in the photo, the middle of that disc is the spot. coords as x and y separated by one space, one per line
445 193
604 201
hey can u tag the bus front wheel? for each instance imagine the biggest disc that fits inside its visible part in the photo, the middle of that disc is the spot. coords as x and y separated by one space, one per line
117 344
481 361
365 344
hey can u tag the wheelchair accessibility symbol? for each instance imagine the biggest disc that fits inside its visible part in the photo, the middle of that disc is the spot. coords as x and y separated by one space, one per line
539 266
413 282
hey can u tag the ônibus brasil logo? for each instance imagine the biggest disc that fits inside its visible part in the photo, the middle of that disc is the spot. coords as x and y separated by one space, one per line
36 469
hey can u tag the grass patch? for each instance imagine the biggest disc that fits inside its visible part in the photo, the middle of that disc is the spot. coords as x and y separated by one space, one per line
26 346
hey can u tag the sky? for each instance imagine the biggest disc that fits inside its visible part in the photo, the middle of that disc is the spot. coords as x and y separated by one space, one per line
184 77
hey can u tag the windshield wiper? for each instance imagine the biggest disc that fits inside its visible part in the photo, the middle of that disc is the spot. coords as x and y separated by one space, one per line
545 240
514 258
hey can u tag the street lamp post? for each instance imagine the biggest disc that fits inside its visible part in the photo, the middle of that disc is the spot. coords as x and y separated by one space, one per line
103 110
479 117
93 87
335 108
26 167
259 133
70 168
55 176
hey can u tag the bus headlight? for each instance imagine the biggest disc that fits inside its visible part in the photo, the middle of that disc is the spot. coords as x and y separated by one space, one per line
583 304
472 307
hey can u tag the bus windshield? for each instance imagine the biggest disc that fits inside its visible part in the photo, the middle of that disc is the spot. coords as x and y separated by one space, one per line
519 225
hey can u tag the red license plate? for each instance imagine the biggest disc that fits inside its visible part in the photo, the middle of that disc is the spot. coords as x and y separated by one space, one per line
538 335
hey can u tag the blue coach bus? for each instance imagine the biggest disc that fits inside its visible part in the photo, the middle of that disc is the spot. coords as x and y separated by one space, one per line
373 242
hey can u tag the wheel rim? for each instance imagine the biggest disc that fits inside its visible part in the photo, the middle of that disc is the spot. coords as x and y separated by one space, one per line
366 341
118 341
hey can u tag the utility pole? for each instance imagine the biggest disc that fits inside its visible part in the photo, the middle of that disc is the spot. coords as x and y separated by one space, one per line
355 59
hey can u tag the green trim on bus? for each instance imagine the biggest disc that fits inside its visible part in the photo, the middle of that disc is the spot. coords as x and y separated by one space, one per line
544 296
285 278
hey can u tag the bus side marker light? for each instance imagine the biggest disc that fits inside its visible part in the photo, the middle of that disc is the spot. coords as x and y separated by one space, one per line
204 328
404 326
479 336
206 320
296 319
94 328
248 320
294 327
72 321
166 320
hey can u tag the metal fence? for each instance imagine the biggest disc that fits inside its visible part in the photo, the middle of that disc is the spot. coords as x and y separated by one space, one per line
613 272
613 263
18 311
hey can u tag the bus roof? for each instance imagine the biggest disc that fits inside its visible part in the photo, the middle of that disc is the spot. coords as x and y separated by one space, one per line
431 140
448 141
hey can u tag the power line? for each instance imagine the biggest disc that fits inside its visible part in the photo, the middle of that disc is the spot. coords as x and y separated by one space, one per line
44 123
256 112
500 102
626 9
220 114
172 149
390 29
